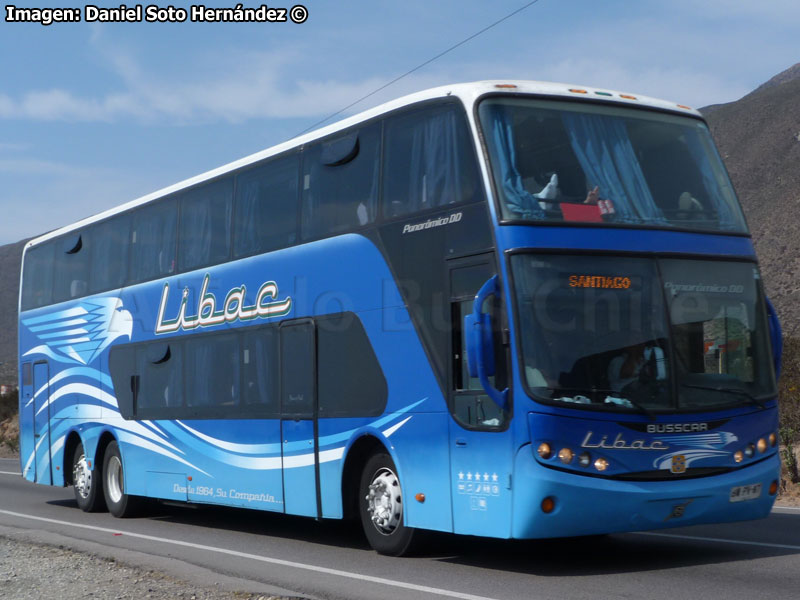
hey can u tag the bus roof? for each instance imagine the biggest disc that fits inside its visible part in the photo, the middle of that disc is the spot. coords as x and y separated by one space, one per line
468 93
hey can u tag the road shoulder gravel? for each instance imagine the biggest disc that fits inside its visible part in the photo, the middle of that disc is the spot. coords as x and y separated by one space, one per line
34 563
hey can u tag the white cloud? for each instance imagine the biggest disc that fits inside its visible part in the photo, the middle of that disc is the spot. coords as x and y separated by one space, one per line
68 191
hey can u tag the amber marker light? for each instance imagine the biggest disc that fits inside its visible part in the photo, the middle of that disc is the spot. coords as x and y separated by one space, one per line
601 464
548 505
565 455
628 97
683 106
738 456
773 487
577 91
420 498
761 445
505 86
544 450
773 439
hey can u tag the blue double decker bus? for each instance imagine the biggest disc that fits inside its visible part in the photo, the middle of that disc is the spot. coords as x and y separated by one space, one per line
506 309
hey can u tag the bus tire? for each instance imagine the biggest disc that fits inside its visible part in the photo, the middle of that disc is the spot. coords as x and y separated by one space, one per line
119 503
381 507
86 482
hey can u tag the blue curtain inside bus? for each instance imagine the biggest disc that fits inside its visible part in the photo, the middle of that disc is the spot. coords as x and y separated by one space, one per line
518 199
604 151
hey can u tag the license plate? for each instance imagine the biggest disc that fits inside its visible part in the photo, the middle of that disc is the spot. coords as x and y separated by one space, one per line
745 492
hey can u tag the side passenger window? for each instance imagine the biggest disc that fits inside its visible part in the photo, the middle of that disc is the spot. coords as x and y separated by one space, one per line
428 162
340 182
72 267
205 236
109 254
153 241
266 207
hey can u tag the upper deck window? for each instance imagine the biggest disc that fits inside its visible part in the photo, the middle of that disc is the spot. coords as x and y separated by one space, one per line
569 161
429 161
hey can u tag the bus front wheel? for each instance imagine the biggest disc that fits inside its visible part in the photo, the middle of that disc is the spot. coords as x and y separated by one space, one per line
86 482
119 503
381 507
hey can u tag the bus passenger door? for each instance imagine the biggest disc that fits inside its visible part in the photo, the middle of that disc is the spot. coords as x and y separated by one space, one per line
299 417
41 423
26 443
481 457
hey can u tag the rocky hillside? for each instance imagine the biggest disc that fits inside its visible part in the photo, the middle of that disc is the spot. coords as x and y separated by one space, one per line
759 138
10 256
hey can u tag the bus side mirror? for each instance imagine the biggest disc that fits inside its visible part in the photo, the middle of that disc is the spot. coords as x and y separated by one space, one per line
479 343
775 336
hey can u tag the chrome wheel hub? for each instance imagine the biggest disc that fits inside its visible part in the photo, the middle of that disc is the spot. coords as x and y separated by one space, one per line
82 477
114 479
384 502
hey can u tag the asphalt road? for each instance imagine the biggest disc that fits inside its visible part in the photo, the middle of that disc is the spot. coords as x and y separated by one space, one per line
268 553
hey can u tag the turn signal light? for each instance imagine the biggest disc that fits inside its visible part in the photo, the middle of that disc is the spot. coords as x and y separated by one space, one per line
565 455
761 445
738 456
548 505
601 464
773 487
773 439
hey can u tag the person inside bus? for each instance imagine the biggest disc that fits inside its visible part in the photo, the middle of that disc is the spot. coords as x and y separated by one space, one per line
636 361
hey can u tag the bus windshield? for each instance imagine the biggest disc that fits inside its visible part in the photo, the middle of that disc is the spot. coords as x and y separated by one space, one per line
582 162
640 333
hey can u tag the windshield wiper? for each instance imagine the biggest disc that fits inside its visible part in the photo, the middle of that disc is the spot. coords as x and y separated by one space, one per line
612 394
728 390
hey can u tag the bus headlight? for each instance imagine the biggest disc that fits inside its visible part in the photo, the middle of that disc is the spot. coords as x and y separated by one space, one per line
544 450
565 455
601 464
585 459
761 445
773 439
738 456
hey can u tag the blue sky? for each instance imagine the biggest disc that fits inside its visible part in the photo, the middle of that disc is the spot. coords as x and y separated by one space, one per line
94 115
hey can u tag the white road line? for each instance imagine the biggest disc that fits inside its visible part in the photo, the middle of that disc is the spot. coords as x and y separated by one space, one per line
9 473
718 540
786 507
264 559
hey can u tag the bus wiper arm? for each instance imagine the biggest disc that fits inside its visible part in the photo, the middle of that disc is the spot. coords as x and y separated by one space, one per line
728 390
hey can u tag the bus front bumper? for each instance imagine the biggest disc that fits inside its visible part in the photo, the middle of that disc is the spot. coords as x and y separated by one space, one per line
592 505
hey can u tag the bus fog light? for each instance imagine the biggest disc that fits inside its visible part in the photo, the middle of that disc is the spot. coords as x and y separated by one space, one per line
565 455
601 464
749 450
544 450
738 456
761 445
585 459
773 439
548 505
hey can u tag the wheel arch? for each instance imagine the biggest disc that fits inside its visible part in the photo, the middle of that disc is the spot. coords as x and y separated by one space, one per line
357 456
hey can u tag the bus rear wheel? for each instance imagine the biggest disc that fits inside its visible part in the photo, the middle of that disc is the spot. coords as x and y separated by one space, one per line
86 482
381 508
119 503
